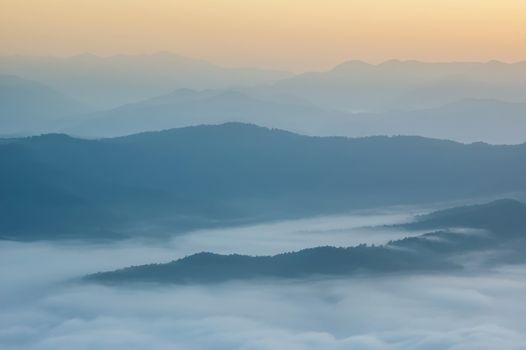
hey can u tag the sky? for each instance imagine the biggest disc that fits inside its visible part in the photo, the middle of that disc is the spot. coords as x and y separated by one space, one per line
293 35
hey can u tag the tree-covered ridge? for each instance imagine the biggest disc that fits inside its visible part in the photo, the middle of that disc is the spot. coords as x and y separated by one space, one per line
435 251
56 186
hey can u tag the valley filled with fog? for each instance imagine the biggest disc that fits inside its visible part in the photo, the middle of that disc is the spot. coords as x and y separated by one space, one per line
45 306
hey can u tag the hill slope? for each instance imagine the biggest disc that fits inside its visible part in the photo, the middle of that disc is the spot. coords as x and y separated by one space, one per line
430 252
55 185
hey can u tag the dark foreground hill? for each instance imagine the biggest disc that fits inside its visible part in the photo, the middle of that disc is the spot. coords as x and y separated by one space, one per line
436 251
55 186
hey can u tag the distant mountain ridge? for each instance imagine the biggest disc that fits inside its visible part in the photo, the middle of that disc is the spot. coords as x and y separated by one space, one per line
461 101
107 82
406 85
186 107
29 107
470 120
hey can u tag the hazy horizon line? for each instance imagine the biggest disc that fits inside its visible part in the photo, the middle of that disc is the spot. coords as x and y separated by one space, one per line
88 54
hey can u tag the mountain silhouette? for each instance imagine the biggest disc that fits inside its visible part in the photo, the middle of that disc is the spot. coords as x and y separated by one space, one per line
56 186
29 107
434 251
107 82
406 85
186 107
471 120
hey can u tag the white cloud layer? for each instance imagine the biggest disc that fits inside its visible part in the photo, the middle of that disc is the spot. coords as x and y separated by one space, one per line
40 308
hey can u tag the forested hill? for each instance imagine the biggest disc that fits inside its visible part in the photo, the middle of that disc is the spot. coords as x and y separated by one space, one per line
434 251
56 186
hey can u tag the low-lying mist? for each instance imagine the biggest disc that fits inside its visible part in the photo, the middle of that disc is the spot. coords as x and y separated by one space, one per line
45 307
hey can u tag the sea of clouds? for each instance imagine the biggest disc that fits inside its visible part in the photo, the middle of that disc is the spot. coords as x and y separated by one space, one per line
43 306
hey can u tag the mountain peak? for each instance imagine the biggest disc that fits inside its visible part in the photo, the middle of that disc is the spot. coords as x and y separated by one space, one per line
350 65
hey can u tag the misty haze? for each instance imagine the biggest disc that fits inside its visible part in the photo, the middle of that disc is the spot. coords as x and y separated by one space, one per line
262 175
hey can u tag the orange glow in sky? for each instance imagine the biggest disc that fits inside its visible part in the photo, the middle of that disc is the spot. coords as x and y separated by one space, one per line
285 34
